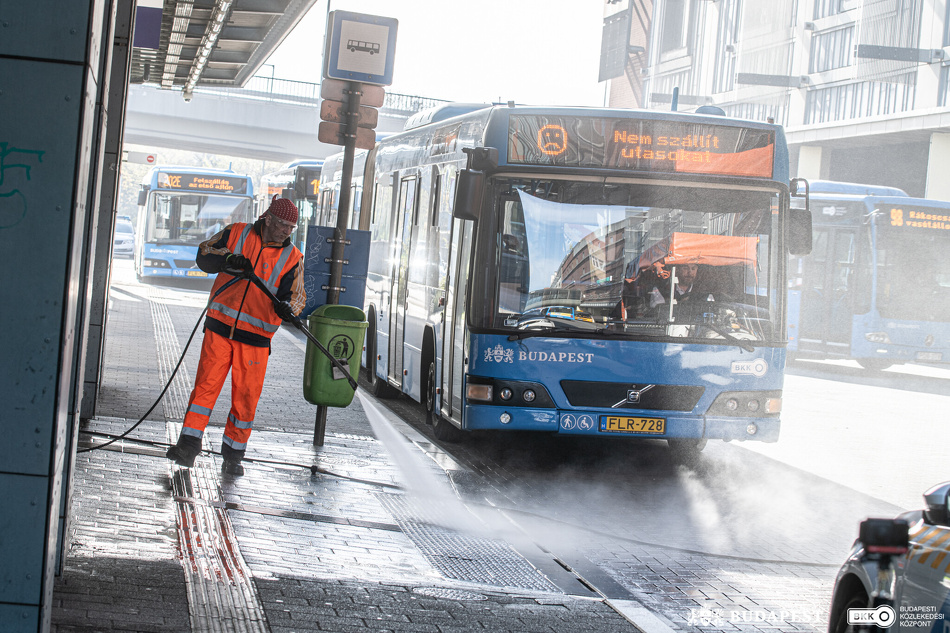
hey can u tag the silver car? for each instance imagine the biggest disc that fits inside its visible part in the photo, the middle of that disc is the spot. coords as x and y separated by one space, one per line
123 242
916 575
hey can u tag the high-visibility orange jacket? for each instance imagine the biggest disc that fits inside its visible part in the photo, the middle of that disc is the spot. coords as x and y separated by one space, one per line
243 312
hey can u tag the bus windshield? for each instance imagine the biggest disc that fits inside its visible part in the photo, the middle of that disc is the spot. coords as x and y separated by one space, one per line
637 259
913 280
177 218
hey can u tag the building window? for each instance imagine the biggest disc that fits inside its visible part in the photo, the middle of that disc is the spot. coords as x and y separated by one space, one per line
831 49
824 8
675 26
726 40
862 99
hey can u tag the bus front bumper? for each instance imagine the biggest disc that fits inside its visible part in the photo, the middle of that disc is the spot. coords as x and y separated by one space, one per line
490 417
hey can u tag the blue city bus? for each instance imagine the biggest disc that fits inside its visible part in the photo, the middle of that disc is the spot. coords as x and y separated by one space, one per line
876 286
522 261
298 181
180 207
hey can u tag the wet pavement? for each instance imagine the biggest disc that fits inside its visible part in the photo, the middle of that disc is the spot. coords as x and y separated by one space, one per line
331 538
382 529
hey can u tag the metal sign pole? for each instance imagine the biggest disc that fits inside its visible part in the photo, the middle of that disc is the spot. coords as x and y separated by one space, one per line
342 219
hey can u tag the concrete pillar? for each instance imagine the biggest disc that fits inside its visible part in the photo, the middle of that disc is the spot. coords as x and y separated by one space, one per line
809 162
50 79
938 185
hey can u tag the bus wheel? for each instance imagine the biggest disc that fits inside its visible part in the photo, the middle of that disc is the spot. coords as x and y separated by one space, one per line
874 364
377 386
685 450
445 430
430 391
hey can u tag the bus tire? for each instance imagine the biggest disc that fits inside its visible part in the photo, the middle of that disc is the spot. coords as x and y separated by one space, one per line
686 450
377 386
445 430
430 387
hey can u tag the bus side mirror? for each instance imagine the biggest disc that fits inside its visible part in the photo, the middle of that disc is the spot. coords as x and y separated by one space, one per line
143 197
799 218
468 196
799 231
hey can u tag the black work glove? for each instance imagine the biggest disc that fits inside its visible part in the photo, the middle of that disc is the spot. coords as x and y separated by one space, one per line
284 311
238 265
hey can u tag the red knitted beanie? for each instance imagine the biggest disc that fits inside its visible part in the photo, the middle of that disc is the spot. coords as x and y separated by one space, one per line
284 209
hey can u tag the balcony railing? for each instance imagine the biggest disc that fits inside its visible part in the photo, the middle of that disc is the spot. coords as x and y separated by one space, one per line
305 93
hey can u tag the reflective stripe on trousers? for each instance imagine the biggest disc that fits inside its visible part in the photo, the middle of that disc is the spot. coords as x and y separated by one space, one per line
248 365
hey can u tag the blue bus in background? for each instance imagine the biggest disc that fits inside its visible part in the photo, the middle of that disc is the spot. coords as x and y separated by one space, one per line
522 266
299 182
180 207
876 286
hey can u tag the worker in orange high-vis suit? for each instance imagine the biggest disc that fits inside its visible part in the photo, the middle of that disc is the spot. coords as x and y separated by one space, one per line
240 323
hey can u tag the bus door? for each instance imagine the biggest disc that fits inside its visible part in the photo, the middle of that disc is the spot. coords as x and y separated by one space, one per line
400 274
453 347
828 296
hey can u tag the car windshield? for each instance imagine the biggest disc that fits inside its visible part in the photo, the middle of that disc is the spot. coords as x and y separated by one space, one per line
124 227
655 261
176 218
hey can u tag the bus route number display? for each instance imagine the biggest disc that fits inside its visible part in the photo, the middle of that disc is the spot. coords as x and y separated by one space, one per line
202 182
922 218
652 145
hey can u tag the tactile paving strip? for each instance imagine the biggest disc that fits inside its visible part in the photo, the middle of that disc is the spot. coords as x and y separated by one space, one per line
461 556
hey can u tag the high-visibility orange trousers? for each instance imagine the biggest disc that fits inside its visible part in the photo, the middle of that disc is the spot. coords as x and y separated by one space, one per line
248 365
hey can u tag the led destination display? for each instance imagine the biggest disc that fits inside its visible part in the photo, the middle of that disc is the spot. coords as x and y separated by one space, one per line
920 218
202 182
641 145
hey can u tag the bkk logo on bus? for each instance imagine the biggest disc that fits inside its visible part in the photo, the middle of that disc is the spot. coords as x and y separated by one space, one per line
758 367
499 354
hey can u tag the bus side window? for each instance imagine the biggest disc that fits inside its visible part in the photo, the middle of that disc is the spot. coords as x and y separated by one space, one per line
436 194
382 212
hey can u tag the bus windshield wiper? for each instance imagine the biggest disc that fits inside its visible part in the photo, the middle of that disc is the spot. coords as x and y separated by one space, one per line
552 325
745 345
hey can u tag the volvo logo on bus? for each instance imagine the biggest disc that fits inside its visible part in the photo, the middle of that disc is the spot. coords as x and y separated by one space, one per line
633 395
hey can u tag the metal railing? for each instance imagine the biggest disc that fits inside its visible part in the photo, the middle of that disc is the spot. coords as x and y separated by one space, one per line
289 91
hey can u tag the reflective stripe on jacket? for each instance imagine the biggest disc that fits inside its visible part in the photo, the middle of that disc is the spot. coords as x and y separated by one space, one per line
243 305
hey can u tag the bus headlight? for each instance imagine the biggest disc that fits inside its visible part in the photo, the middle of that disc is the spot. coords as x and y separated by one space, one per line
747 404
155 263
878 337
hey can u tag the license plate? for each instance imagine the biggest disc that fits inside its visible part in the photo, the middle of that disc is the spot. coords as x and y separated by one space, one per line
929 356
197 273
618 424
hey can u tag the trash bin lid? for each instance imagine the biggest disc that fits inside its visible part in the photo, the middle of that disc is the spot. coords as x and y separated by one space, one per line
339 312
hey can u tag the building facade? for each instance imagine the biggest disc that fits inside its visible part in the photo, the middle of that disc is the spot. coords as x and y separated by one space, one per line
859 85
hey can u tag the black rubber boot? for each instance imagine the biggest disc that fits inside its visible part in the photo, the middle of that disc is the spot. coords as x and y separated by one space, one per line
231 461
185 451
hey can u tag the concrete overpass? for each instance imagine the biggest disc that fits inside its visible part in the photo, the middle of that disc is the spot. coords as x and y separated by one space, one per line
268 119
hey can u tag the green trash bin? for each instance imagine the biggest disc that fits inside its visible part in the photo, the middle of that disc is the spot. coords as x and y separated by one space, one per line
341 330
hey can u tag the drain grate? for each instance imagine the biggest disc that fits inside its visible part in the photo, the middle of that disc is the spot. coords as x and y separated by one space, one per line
448 594
461 556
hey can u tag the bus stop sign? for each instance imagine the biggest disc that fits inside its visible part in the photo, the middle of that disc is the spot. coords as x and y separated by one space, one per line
360 48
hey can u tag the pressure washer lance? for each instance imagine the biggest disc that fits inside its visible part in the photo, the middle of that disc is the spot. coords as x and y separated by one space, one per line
297 323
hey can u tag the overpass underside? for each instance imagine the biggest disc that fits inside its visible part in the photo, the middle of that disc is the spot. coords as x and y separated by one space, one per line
250 125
